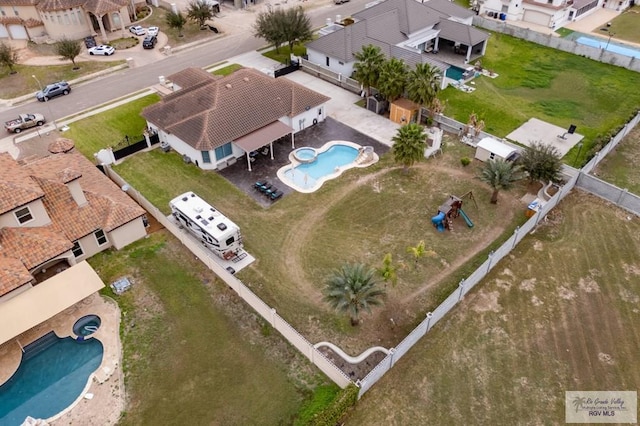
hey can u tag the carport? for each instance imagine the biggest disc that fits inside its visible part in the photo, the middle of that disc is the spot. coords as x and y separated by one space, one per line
263 136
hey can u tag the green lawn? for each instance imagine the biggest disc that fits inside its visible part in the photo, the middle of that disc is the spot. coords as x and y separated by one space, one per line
283 54
620 167
558 87
301 238
560 314
626 26
22 83
194 353
108 129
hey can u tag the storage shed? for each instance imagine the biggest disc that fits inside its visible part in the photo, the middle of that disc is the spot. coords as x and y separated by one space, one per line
403 111
490 149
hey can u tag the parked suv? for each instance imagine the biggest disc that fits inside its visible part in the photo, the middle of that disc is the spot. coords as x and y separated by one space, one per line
53 90
149 42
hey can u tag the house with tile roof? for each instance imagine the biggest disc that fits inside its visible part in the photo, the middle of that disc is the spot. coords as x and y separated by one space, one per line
214 121
44 20
405 29
54 213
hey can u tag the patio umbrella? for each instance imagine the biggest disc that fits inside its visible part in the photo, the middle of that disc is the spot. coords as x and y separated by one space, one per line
61 145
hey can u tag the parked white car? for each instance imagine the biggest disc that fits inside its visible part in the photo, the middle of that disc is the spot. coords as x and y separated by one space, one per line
153 31
137 30
103 49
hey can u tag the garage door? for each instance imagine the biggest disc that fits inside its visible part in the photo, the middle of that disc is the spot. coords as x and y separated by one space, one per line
18 32
537 18
3 32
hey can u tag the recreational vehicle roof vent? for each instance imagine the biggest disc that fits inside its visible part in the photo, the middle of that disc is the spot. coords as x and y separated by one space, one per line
198 217
192 194
222 226
184 198
228 86
211 218
204 222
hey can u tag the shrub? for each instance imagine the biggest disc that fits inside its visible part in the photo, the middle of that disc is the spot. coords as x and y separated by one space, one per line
465 161
344 400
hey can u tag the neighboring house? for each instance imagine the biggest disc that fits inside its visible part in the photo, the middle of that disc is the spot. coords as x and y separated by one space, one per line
405 29
213 121
43 20
548 13
56 212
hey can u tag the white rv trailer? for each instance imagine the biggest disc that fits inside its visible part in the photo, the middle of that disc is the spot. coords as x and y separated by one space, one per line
213 229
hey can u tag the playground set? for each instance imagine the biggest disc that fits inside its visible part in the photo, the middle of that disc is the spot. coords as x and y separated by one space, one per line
451 209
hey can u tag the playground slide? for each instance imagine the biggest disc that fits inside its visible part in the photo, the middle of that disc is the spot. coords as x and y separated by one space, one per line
438 221
466 218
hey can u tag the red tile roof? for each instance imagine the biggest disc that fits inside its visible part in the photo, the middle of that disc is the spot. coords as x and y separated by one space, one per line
17 188
210 114
13 274
23 248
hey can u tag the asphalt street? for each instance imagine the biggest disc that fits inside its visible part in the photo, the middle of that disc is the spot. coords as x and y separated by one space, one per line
121 83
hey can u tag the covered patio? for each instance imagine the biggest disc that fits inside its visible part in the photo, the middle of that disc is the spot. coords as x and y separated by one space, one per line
262 137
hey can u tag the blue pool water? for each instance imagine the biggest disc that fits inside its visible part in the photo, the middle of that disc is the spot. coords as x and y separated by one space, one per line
455 73
610 46
306 175
49 380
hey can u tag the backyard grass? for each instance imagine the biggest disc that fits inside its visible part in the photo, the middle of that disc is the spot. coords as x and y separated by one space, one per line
22 83
108 129
194 353
620 167
356 218
558 87
626 26
560 314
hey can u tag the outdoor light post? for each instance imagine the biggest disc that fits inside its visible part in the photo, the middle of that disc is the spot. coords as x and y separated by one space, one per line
610 35
46 101
575 162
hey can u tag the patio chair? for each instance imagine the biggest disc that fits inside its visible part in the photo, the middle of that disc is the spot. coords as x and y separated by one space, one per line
275 195
260 184
266 189
270 190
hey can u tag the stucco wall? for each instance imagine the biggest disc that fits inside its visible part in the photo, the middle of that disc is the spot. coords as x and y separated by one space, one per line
346 69
127 233
40 216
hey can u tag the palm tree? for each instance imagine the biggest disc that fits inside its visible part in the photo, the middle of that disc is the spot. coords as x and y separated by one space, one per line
499 174
393 79
353 289
367 68
177 21
423 85
387 271
420 251
200 11
408 145
542 162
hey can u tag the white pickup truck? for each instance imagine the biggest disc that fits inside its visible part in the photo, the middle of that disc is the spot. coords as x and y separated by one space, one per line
24 121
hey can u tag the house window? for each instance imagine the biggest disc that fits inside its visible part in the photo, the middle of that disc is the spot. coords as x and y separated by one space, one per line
492 156
223 151
206 158
15 11
23 215
77 250
2 12
327 60
101 238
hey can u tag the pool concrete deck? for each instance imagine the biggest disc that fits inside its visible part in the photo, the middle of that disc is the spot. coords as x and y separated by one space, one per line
264 168
106 385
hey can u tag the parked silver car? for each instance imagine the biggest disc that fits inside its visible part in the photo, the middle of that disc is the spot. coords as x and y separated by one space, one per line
53 90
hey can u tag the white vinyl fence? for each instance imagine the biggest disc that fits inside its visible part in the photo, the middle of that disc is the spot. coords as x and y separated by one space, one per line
623 197
619 196
566 45
265 311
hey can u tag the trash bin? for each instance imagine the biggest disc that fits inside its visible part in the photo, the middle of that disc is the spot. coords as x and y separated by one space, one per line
90 41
